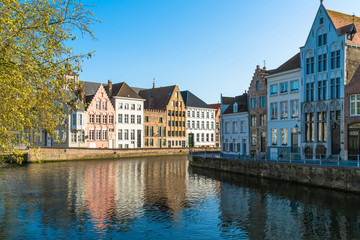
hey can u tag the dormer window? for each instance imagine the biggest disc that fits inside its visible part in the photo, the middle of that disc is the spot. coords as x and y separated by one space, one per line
235 108
352 31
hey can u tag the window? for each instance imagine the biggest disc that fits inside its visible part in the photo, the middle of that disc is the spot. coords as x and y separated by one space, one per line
132 134
335 59
253 103
202 137
74 119
294 106
207 114
193 124
91 120
207 137
98 117
274 111
120 106
73 137
284 136
284 110
294 86
253 121
172 103
98 134
120 118
104 105
188 113
111 119
273 90
310 92
126 134
104 134
202 115
164 132
274 136
335 88
151 142
227 127
253 138
193 113
322 90
97 105
146 131
120 134
235 127
321 127
309 127
322 40
151 131
146 142
197 114
91 134
197 124
257 85
132 106
126 106
283 88
159 131
262 101
104 119
132 118
160 119
207 125
138 117
176 94
146 119
310 65
139 107
355 104
262 119
126 118
322 62
321 20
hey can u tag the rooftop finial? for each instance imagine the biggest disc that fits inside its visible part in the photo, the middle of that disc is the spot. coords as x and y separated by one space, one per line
153 82
321 1
353 17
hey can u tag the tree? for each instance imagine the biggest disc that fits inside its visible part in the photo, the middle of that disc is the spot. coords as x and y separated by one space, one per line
34 58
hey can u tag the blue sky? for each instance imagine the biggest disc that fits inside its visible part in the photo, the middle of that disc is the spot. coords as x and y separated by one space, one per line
208 47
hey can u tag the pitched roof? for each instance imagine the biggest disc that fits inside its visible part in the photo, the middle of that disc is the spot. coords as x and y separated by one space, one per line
191 100
160 97
122 90
292 63
137 89
91 87
227 100
215 106
242 102
343 23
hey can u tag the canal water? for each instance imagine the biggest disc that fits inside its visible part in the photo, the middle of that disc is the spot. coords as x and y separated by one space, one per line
164 198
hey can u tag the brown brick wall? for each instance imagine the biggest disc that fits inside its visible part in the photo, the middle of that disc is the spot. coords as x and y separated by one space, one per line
352 62
155 119
259 75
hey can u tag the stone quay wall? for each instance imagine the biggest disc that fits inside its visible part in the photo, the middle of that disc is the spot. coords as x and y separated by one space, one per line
68 154
340 178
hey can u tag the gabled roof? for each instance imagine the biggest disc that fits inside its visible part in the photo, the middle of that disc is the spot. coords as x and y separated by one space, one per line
91 87
160 97
227 100
292 63
137 89
122 90
215 106
191 100
344 23
242 102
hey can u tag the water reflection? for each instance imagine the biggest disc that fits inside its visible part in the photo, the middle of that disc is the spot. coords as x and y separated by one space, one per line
156 198
267 209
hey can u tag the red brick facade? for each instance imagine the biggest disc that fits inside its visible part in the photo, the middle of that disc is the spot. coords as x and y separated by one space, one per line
257 114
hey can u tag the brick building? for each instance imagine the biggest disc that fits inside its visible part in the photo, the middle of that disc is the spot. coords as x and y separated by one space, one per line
352 117
217 123
154 128
257 112
170 100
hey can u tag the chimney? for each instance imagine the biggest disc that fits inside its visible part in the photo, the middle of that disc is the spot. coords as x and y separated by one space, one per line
154 83
110 88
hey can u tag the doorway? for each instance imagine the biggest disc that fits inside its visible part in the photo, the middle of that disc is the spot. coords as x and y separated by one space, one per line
335 139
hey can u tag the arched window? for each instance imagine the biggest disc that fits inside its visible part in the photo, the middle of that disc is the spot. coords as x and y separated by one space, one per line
308 153
320 152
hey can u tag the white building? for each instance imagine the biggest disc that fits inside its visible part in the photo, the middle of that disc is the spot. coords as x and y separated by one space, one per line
130 115
284 98
329 59
200 127
235 127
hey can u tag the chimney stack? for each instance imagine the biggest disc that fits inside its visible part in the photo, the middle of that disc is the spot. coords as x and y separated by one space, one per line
83 94
154 83
110 88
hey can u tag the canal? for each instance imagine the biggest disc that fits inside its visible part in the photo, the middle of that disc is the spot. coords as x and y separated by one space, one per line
164 198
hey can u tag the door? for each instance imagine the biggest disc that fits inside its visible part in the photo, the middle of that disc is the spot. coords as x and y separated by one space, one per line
191 140
354 141
244 147
110 143
263 142
139 137
294 142
335 139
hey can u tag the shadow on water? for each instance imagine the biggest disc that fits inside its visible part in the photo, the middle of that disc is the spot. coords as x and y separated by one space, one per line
270 209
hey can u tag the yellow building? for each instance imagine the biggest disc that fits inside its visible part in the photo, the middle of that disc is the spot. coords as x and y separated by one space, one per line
170 100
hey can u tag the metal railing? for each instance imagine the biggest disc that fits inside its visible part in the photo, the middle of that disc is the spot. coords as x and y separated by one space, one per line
295 158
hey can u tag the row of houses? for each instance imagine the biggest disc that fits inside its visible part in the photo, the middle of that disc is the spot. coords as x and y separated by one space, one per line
119 116
309 106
